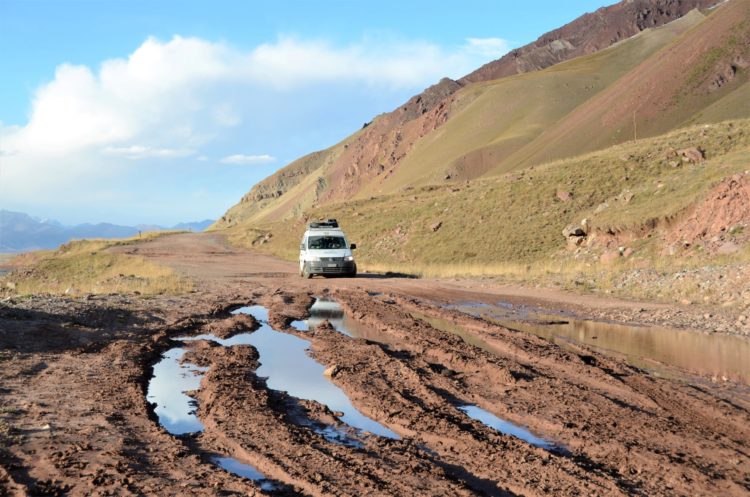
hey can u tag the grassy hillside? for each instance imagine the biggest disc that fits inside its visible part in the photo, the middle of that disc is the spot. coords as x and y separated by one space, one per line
501 117
512 225
697 78
463 130
86 267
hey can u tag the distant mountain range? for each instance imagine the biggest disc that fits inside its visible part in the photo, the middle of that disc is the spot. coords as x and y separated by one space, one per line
20 232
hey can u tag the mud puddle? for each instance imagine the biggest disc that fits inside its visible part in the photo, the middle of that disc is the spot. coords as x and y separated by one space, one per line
167 389
287 367
172 378
662 351
327 309
508 428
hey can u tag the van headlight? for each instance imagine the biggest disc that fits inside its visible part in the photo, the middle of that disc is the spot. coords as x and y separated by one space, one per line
349 258
314 259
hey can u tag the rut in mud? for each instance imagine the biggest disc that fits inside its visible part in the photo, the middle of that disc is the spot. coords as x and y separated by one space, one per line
452 404
514 416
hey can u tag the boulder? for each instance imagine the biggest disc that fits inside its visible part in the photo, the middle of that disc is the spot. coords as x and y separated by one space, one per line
564 196
331 371
573 230
436 226
586 225
691 154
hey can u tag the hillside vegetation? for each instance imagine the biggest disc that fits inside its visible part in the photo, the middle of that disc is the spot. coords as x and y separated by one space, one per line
86 267
690 71
632 196
591 173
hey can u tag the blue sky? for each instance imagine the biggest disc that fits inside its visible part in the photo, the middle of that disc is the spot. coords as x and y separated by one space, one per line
160 112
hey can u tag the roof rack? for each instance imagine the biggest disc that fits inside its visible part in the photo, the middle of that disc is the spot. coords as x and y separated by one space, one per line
324 224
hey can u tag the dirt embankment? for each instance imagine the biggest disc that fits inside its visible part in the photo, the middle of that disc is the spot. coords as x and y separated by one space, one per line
74 419
720 221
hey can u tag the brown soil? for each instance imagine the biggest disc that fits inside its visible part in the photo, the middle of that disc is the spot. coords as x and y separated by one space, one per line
74 419
725 209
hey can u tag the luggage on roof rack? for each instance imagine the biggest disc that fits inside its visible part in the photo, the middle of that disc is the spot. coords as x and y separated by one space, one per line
327 223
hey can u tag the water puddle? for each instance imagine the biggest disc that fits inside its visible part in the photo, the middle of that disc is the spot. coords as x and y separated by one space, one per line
287 367
663 351
450 327
231 465
176 411
508 428
172 378
325 308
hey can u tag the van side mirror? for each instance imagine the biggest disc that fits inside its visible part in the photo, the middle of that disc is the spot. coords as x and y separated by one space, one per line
353 246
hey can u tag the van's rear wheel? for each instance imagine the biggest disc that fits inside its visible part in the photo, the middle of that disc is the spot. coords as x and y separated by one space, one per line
306 272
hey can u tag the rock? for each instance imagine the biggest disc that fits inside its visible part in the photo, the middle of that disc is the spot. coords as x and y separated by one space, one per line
691 154
564 196
627 252
331 371
673 163
436 226
627 197
586 225
727 248
573 230
601 207
10 285
575 242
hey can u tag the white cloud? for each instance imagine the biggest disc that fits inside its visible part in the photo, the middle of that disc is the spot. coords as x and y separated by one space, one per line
176 98
137 152
248 159
488 47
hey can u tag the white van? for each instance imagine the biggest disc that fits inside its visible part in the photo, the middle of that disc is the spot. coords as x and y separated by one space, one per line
326 251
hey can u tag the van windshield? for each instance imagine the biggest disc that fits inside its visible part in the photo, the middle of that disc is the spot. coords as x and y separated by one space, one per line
326 242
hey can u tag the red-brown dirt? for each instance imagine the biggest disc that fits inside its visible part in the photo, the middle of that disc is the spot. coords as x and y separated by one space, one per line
75 420
724 210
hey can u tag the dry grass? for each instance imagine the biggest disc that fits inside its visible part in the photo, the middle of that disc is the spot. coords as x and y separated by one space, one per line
509 228
85 267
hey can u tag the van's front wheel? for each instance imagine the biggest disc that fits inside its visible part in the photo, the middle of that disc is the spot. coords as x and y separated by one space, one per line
306 272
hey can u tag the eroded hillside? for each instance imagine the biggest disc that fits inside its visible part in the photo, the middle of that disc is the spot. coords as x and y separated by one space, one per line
385 155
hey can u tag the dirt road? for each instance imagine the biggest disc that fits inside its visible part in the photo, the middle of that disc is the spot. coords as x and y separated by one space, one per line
75 420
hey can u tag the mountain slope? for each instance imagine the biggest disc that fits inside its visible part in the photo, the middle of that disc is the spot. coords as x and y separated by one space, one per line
376 152
586 35
683 84
506 115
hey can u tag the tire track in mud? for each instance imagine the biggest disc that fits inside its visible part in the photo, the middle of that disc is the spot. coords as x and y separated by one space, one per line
255 424
653 436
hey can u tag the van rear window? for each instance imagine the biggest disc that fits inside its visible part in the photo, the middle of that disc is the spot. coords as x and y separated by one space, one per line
326 242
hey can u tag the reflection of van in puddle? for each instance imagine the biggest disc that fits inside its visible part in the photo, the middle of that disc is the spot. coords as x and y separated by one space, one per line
326 251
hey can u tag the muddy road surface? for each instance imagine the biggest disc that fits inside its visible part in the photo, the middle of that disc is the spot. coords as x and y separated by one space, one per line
262 383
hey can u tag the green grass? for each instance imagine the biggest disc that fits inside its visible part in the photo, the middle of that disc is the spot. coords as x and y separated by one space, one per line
496 119
86 267
511 226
